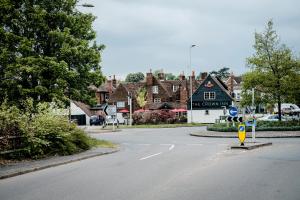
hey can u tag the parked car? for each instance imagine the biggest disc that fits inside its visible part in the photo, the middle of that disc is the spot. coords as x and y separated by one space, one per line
272 118
96 120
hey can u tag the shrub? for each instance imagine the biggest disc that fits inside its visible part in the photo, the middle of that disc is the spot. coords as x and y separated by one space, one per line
154 117
43 133
261 126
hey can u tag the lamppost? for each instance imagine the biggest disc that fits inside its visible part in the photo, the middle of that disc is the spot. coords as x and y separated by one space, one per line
191 82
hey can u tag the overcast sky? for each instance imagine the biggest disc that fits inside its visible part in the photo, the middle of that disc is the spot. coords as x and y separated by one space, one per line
157 34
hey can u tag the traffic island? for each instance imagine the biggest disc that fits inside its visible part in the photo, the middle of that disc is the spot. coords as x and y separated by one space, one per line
251 145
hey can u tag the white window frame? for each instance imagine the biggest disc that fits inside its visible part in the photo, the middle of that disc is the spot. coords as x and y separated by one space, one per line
157 100
209 95
155 89
120 104
175 88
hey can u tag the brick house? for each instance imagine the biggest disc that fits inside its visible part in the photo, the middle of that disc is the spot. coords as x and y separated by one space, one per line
160 93
234 84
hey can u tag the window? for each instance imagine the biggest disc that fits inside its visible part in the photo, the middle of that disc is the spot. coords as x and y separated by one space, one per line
238 96
209 95
175 88
157 100
206 112
120 104
155 89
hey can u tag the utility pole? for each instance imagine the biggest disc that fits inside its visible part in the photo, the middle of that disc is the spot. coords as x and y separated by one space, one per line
253 116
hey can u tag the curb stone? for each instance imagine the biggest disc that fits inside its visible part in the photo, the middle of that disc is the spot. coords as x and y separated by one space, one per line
32 168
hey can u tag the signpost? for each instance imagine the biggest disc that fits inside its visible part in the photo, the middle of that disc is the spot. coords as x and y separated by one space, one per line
233 111
242 133
111 110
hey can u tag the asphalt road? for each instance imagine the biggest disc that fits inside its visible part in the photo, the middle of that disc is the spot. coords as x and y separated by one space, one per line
161 164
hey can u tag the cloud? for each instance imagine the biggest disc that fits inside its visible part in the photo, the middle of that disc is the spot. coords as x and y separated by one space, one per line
143 34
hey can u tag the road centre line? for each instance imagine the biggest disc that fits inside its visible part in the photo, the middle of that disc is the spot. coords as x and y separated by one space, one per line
151 156
171 147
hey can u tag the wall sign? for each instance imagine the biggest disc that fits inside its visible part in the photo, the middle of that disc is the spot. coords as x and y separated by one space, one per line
211 104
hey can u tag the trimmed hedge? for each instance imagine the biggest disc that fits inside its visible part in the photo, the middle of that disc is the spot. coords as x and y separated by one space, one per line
261 126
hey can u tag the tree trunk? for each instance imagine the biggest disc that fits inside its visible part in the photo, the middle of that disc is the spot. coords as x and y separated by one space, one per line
279 106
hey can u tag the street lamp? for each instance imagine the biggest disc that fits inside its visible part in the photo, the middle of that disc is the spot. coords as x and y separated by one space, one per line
191 83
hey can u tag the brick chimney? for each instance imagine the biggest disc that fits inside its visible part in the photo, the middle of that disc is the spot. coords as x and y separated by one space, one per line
193 75
114 82
181 76
161 75
230 83
149 78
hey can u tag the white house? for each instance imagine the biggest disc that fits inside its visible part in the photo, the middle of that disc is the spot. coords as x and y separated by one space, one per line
81 112
210 100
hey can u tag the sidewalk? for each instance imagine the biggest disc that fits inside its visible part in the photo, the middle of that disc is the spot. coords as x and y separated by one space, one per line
258 134
22 167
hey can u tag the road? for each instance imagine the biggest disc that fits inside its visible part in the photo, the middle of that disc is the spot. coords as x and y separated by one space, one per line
168 164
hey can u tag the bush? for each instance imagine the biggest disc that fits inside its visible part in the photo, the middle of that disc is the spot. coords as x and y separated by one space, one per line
261 126
43 133
154 117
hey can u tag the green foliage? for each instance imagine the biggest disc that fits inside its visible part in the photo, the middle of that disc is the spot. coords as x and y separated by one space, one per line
47 50
135 77
141 97
222 73
43 133
261 126
275 73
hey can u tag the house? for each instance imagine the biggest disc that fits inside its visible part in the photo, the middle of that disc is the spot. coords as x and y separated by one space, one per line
80 112
234 84
160 93
209 101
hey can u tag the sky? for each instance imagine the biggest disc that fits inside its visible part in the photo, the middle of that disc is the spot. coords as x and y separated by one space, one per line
140 35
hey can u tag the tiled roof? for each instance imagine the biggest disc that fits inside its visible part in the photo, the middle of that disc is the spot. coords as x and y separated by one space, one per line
85 108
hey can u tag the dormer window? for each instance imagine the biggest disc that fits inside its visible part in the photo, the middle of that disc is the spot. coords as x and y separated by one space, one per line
155 89
175 88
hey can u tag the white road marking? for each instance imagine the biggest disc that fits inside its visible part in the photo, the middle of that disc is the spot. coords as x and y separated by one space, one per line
125 143
151 156
195 144
171 147
144 144
166 144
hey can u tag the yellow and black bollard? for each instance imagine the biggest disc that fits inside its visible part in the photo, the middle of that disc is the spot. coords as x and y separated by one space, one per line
242 133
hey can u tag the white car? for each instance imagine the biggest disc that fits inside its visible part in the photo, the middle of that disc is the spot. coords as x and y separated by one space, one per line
272 118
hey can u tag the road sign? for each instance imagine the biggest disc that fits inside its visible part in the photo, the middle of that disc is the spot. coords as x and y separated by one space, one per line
242 133
110 110
234 119
233 111
251 122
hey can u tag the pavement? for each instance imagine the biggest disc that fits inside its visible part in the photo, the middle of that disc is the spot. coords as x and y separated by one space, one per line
21 167
258 134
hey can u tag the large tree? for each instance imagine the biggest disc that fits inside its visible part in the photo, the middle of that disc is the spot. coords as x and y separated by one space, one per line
222 73
47 51
274 71
134 77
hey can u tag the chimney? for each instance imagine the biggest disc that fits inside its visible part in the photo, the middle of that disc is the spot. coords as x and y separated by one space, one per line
109 83
161 75
193 75
203 75
149 78
182 77
114 82
230 84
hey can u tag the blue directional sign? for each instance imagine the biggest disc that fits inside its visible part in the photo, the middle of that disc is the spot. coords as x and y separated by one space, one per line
241 128
233 111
